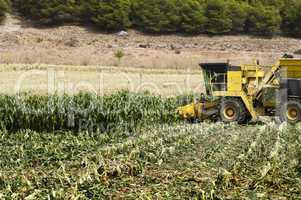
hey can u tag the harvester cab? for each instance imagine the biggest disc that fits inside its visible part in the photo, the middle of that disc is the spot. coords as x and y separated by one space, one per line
243 93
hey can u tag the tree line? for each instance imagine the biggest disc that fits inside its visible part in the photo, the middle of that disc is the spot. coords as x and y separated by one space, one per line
256 17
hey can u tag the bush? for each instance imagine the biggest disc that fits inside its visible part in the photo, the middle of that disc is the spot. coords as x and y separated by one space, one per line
109 14
156 15
48 11
238 13
4 7
263 20
218 21
276 3
192 16
258 17
291 15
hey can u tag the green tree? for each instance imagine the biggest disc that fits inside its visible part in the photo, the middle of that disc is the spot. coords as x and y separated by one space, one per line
276 3
192 16
156 15
218 21
238 13
291 15
4 7
48 11
263 20
109 14
260 17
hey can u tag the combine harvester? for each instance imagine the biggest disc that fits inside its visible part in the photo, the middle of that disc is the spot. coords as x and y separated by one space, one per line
244 93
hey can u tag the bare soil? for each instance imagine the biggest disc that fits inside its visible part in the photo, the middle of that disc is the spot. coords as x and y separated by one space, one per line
21 42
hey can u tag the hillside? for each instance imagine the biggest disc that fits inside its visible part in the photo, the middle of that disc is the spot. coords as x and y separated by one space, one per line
21 42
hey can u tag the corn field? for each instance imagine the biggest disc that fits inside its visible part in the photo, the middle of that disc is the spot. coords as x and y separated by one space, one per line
156 157
87 112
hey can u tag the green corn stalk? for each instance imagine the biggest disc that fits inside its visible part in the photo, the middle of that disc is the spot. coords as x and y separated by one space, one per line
88 112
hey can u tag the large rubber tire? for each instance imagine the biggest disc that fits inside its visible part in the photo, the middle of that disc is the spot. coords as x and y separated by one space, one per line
233 110
291 112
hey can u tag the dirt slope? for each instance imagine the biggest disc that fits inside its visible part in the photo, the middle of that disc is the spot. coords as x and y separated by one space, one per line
20 42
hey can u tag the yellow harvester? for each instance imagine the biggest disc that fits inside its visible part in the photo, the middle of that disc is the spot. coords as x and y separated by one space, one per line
245 92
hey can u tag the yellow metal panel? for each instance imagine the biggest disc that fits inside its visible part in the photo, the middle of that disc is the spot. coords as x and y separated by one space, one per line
292 67
249 105
292 71
234 81
226 94
294 74
187 111
290 62
254 74
198 110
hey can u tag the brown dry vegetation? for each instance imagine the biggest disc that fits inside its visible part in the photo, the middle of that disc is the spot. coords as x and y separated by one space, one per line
20 42
40 79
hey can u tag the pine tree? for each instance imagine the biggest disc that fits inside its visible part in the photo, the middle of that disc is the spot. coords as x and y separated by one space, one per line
4 7
218 21
48 11
192 16
238 13
109 14
260 17
263 20
156 15
291 14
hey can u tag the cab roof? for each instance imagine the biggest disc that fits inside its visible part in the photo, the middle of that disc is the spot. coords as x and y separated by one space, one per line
216 67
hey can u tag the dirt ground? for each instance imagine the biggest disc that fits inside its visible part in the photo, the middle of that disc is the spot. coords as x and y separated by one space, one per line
21 42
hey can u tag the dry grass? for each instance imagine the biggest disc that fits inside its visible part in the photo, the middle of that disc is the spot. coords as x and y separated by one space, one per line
40 79
139 58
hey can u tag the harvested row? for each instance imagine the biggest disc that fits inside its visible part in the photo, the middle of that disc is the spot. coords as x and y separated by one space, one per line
268 168
58 158
175 162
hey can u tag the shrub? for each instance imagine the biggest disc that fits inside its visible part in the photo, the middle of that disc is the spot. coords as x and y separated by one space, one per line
291 15
4 7
192 16
156 15
276 3
119 54
48 11
259 17
218 21
263 20
108 14
238 13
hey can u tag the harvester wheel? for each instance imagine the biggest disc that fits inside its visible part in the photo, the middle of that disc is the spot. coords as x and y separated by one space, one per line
233 110
291 112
